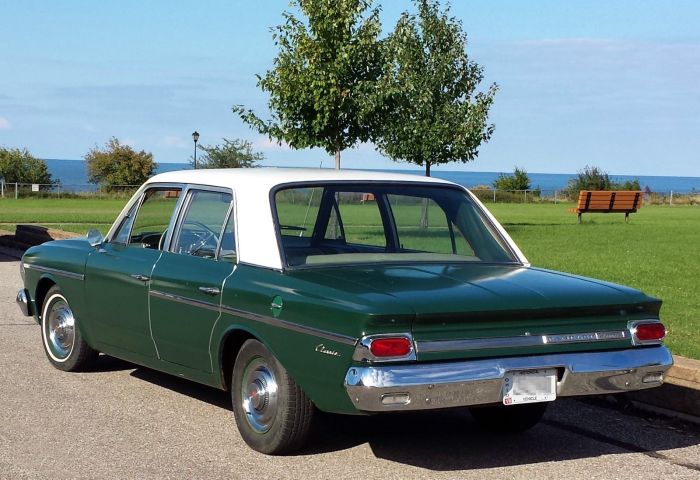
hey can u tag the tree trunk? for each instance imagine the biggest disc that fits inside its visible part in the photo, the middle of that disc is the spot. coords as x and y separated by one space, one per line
424 208
337 158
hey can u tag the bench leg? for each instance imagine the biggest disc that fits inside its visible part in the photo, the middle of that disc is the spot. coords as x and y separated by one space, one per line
627 216
579 217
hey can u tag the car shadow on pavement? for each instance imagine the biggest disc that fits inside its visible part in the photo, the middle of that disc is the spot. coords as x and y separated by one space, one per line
210 395
452 440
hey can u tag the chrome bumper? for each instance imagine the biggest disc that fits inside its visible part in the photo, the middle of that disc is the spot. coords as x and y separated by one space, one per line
23 302
477 382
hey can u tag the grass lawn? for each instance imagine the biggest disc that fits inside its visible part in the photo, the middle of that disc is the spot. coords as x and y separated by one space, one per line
658 252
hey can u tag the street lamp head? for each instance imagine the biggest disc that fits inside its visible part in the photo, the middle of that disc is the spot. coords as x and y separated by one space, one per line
195 136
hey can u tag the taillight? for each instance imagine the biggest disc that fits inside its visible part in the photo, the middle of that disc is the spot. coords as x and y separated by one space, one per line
390 347
648 332
385 347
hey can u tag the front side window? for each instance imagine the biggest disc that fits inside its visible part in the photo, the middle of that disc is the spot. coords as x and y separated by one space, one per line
147 226
200 230
369 223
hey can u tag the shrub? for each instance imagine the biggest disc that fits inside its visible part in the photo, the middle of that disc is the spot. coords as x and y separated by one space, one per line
594 178
18 165
118 165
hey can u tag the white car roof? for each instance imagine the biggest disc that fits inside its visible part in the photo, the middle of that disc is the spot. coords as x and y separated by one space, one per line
256 236
268 177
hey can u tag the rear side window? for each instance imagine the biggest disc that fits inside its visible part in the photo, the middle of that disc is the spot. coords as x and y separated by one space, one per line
201 228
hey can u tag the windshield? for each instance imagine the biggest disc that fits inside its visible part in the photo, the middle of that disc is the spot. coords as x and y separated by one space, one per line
375 223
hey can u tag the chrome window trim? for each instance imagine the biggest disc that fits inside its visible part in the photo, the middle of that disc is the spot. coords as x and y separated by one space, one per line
440 346
54 271
363 351
275 322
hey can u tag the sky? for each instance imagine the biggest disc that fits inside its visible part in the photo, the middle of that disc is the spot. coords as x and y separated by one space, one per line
610 84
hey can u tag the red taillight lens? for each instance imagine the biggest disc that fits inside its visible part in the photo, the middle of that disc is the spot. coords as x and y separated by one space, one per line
390 347
649 332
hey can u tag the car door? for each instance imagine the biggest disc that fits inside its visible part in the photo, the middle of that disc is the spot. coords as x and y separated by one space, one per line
185 289
118 272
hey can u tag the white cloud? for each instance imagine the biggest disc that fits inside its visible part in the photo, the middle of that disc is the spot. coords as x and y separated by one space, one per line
265 144
5 123
175 141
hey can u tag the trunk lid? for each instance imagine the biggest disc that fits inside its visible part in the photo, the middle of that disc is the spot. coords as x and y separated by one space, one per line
457 306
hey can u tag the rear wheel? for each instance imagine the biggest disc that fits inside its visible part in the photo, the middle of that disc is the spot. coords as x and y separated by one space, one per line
63 343
272 413
509 418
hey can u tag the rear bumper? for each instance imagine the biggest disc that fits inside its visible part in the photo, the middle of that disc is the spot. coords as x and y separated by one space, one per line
23 302
478 382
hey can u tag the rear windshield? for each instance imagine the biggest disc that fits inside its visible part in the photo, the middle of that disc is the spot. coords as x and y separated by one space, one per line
367 223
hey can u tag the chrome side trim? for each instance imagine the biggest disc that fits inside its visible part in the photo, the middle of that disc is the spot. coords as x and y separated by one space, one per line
55 271
439 346
480 382
276 322
184 300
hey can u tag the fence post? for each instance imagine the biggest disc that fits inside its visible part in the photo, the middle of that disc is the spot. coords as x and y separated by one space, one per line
16 196
100 190
59 190
670 200
525 196
555 197
494 195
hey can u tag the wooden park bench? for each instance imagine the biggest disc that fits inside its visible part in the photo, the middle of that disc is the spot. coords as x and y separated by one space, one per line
626 202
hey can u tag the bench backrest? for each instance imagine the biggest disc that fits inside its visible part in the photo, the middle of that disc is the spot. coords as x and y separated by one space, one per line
609 200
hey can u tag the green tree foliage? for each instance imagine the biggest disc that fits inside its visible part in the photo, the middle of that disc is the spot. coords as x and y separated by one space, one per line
436 116
327 67
594 178
234 153
118 164
18 165
519 180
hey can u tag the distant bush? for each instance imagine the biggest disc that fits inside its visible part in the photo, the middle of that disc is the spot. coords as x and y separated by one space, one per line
234 153
594 178
18 165
519 180
118 165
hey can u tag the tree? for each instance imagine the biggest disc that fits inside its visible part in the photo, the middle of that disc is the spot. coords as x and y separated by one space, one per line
326 69
18 165
118 165
234 153
520 180
429 88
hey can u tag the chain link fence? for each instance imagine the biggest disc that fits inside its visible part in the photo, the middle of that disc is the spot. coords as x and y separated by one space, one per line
486 195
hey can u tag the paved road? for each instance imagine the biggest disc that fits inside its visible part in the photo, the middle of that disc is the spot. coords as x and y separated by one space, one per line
123 421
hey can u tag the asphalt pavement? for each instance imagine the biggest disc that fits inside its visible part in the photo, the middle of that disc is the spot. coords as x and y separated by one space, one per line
124 421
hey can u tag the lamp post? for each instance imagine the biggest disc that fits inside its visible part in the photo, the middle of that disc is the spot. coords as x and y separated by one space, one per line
195 137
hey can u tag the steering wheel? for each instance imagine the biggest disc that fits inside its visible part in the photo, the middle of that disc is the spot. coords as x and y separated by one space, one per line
202 237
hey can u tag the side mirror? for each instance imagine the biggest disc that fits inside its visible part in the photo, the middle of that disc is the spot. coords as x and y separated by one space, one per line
94 237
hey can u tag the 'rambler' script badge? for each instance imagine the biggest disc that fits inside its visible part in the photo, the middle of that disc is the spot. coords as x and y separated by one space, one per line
321 348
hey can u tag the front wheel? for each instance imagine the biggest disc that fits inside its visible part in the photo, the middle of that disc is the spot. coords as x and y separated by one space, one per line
272 412
63 343
509 418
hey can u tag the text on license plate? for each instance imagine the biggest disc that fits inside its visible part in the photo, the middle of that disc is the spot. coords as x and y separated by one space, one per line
529 386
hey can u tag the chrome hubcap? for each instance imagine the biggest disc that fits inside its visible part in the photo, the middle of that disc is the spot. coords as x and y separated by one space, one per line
60 328
259 394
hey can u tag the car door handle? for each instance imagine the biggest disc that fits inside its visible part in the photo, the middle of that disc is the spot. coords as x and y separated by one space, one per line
210 290
141 278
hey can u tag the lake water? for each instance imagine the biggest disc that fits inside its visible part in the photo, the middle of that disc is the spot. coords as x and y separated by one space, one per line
72 175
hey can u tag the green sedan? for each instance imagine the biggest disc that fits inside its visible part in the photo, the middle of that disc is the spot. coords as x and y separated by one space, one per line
300 290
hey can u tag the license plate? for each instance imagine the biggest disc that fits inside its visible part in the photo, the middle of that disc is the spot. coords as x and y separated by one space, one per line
529 386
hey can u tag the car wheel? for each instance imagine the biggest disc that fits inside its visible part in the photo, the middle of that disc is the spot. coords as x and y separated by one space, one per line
63 343
509 418
272 413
